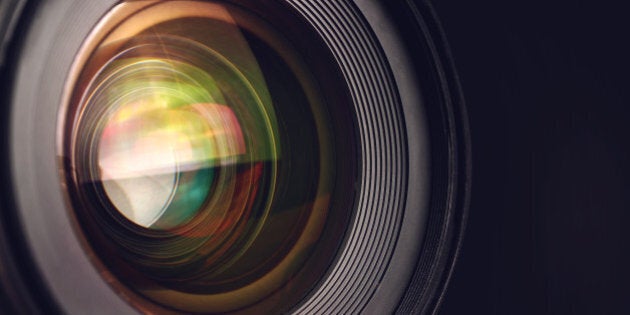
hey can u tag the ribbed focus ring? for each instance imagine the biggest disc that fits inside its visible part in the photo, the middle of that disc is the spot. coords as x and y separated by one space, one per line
373 233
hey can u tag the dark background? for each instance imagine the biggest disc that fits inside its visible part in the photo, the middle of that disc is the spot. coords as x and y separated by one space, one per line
547 89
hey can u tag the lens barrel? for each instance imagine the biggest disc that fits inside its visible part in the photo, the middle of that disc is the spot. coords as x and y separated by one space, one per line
234 156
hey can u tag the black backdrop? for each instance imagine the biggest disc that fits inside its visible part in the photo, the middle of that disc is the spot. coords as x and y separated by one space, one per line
547 89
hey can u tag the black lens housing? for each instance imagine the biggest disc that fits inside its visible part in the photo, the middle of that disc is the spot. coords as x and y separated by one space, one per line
421 109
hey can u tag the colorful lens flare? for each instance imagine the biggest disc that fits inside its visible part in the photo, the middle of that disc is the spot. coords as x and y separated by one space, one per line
163 141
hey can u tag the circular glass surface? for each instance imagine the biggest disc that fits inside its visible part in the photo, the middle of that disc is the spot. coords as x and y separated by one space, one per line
207 167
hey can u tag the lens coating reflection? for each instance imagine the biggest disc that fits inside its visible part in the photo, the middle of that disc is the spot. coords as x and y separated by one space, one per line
158 151
203 164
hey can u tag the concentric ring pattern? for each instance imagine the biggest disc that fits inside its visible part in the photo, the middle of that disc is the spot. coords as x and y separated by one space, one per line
195 132
372 236
161 54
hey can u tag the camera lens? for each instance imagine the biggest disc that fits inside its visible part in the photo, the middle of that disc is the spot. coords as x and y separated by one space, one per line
236 156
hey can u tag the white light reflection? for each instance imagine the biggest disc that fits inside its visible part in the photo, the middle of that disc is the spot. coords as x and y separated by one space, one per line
143 152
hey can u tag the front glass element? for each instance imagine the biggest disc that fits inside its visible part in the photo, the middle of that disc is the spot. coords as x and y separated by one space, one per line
206 167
